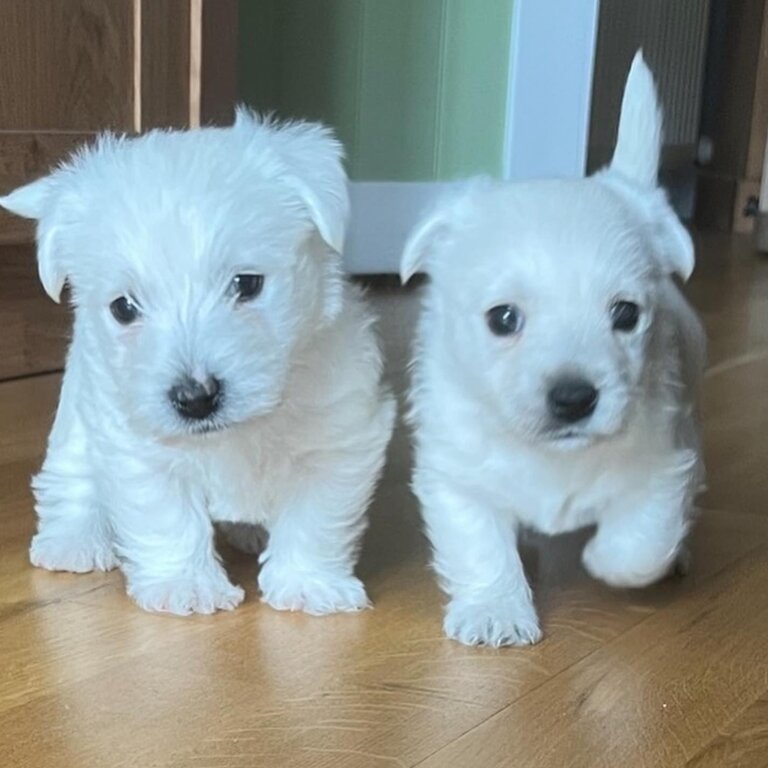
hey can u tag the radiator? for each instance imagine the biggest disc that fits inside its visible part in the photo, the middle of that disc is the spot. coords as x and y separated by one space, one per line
673 35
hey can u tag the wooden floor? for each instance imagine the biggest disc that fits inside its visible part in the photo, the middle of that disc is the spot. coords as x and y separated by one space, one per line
676 675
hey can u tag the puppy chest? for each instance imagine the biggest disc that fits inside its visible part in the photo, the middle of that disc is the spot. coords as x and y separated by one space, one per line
245 485
554 494
552 509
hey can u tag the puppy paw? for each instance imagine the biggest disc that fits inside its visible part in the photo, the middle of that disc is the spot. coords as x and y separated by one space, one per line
75 552
316 593
494 623
619 568
184 595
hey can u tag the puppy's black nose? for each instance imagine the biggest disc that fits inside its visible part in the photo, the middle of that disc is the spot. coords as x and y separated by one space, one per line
196 399
572 400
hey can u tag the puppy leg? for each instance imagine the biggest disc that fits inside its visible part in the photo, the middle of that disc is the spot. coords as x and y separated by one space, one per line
73 533
314 541
166 542
640 543
478 564
310 558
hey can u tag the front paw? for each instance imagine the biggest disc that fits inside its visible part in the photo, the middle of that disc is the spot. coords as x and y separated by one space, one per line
315 592
621 567
75 551
186 594
492 622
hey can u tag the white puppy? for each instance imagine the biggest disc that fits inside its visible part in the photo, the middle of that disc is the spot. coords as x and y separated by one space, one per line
555 378
220 369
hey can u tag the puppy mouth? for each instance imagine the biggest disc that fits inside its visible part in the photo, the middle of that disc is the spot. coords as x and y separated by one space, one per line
570 439
577 437
215 424
206 427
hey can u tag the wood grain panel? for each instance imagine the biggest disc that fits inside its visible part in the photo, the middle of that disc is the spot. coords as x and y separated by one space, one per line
35 330
68 65
743 743
648 698
165 63
218 57
24 157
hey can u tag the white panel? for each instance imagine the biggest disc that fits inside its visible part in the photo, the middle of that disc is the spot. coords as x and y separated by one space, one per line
553 44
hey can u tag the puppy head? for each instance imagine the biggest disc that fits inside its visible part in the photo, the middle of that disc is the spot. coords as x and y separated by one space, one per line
543 294
199 263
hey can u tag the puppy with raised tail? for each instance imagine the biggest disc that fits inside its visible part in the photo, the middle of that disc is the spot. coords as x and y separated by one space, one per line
221 369
555 377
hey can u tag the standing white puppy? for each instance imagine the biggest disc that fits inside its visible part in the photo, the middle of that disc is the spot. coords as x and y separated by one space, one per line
220 369
555 378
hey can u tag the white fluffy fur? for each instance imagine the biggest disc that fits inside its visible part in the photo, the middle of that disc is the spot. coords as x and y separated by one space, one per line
169 219
488 459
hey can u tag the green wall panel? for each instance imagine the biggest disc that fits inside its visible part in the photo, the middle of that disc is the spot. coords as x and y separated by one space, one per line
416 89
399 91
475 67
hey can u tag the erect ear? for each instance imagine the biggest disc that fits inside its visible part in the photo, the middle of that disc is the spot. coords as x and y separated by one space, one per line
311 164
37 201
638 145
635 169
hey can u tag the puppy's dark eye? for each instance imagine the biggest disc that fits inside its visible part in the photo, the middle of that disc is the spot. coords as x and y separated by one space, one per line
505 320
624 316
247 287
124 310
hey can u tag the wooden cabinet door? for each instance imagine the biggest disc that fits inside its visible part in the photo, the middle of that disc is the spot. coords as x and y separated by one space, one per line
72 68
66 71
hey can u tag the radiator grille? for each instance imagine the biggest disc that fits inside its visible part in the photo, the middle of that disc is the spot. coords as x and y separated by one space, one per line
673 36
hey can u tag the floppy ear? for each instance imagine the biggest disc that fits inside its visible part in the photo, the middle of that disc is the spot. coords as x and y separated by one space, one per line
420 244
674 247
311 164
638 144
35 201
452 211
